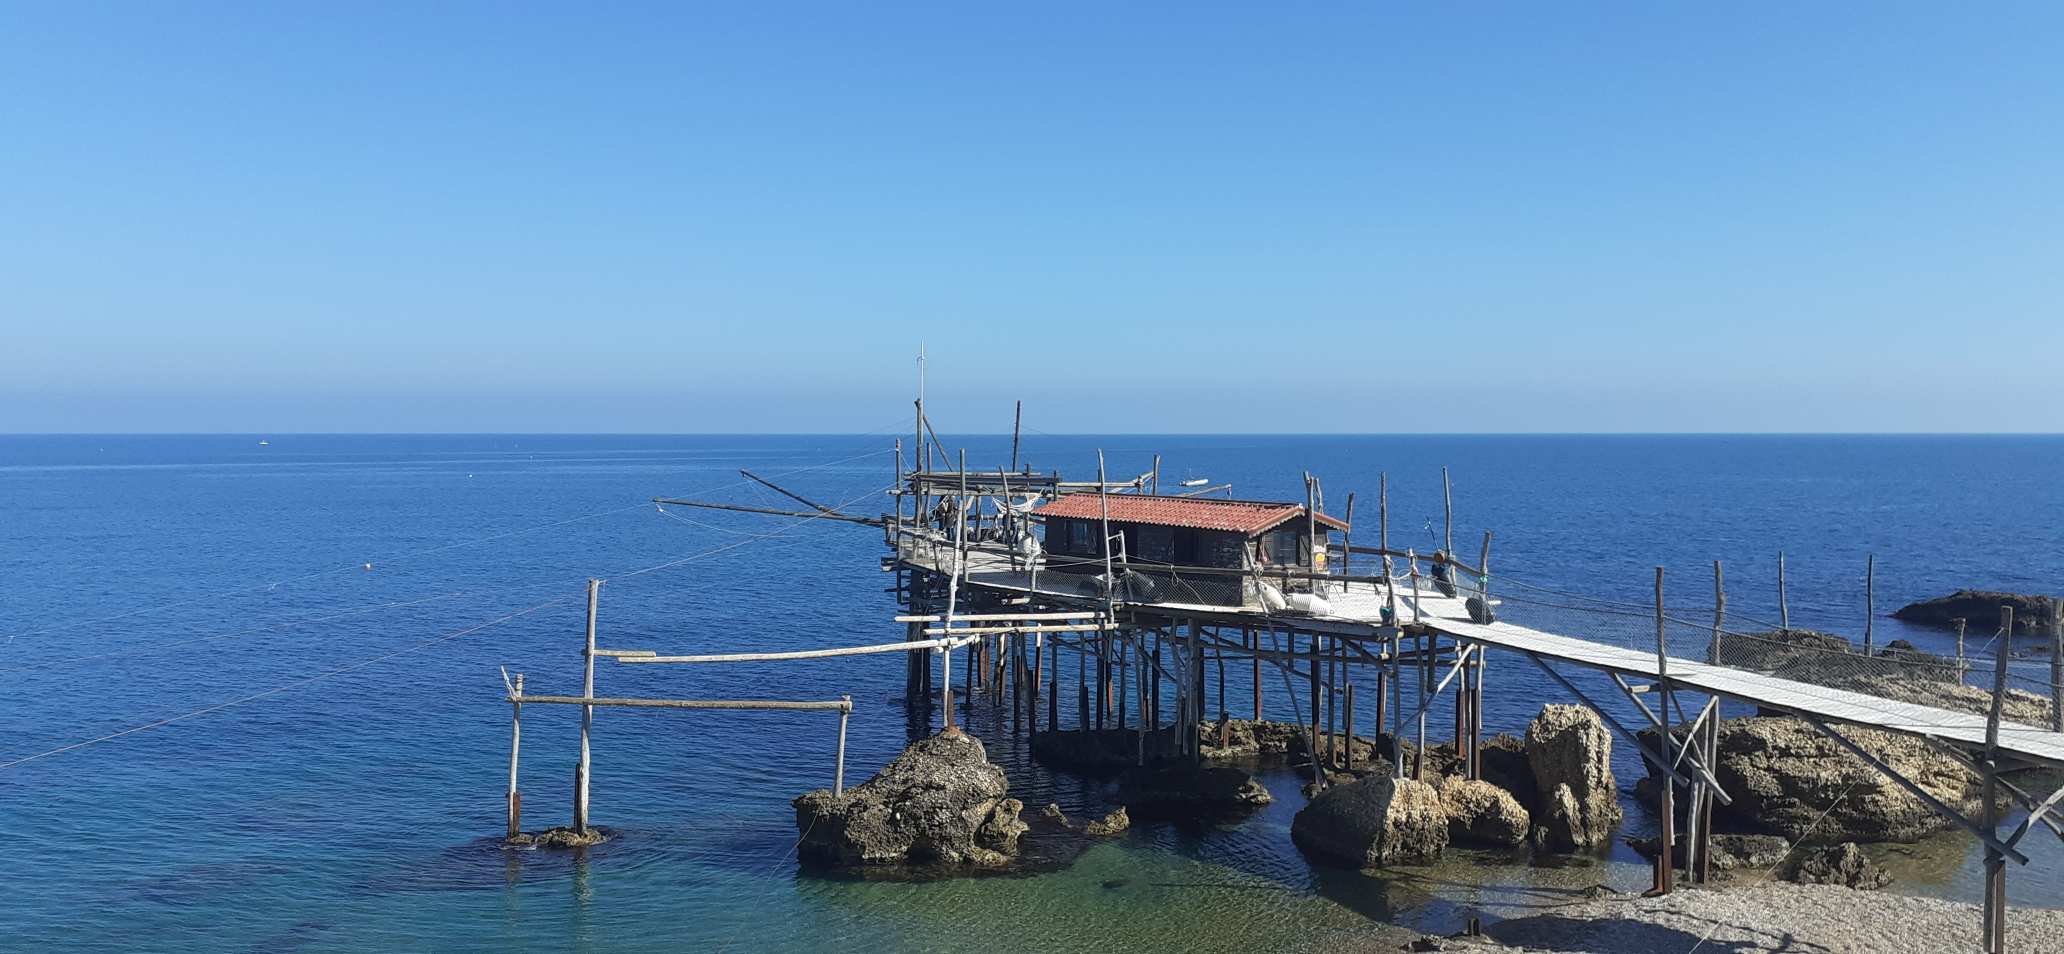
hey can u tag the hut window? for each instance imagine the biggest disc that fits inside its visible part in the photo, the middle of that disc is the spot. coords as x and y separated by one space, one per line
1079 537
1286 548
1157 544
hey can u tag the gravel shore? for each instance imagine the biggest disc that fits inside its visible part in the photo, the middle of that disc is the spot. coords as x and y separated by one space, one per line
1811 919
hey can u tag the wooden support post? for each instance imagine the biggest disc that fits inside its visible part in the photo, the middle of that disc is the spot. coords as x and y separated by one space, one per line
2056 668
1870 597
1103 678
1155 679
515 753
1347 724
1784 606
1666 862
1347 542
1193 736
1447 493
1962 667
1035 682
1427 644
1082 683
1053 688
587 720
946 687
1995 888
1382 697
1313 683
1397 687
1719 613
1253 641
1332 707
1124 674
1705 836
838 777
1219 656
1476 703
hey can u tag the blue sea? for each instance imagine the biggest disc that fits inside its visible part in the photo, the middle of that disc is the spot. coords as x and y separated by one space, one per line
254 683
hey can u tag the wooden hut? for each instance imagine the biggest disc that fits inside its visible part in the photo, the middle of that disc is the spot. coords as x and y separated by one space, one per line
1185 532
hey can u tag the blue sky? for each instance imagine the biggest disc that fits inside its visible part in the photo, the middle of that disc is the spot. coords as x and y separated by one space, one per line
1181 217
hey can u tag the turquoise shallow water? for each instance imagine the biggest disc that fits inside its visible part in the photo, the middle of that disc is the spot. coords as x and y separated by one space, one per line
346 798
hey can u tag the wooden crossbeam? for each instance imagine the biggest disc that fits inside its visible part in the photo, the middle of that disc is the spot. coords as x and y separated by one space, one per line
840 705
901 647
998 617
993 630
1916 791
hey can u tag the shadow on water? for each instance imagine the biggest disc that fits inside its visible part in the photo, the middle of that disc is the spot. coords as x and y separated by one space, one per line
1614 935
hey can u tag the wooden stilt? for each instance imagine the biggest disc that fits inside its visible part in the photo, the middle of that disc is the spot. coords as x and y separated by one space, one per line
1784 606
1253 641
1995 888
1053 689
515 753
1347 723
1666 864
1124 683
587 722
838 778
946 687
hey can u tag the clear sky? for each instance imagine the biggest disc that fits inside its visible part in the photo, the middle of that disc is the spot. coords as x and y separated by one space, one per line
1184 217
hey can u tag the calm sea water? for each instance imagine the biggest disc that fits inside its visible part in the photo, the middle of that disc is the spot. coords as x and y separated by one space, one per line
334 595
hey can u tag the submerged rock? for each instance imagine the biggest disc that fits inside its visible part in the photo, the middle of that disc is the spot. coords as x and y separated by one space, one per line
1373 823
1101 752
1844 864
1480 813
557 838
1731 852
1180 787
1110 825
940 802
1784 775
1570 754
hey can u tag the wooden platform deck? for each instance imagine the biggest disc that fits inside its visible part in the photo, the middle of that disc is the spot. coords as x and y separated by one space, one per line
1355 611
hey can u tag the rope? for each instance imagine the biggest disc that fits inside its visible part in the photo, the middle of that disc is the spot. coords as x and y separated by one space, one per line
1787 855
406 555
398 652
296 684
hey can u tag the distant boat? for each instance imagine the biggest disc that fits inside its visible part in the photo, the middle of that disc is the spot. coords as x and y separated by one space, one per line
264 443
1199 482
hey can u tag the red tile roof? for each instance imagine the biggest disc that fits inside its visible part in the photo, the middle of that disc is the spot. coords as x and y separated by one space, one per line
1238 516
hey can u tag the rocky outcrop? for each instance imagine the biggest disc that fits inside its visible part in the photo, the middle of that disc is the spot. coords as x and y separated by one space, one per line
1178 787
940 802
1110 825
1981 610
1844 864
1570 753
1783 775
1373 823
1480 813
